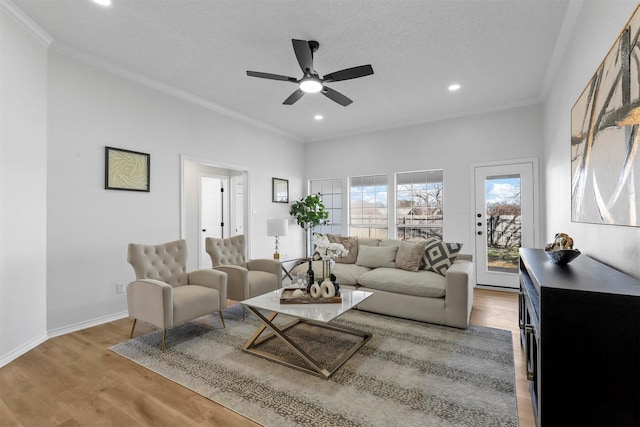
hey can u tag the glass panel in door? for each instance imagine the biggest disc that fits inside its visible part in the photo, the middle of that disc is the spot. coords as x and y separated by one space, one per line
503 213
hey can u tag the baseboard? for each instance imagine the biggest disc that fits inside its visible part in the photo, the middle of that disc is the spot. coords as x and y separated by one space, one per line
87 324
497 288
5 359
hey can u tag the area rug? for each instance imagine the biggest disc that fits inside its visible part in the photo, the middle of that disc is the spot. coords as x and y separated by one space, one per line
408 374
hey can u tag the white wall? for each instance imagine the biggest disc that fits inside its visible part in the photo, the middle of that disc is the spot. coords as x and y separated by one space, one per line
598 26
23 185
452 145
89 227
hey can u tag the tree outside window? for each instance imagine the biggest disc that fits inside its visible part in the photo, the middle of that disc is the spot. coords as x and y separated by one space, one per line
419 212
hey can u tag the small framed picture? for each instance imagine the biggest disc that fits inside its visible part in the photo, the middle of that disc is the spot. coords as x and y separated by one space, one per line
126 170
279 190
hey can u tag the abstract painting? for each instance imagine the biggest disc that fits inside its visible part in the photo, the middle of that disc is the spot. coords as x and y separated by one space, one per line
126 170
605 166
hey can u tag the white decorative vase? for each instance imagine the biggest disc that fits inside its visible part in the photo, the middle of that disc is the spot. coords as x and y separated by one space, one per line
327 289
315 291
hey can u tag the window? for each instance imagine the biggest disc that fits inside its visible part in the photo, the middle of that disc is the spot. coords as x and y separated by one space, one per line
368 206
419 205
331 192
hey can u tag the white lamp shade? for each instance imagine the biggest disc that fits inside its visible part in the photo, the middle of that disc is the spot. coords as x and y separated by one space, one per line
277 227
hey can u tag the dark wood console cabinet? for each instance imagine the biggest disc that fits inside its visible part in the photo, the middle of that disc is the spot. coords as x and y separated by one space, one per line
580 330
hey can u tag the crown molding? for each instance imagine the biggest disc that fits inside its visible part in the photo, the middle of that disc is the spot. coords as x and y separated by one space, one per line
429 119
110 67
27 23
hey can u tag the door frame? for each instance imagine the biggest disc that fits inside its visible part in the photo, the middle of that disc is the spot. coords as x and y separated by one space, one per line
193 261
537 225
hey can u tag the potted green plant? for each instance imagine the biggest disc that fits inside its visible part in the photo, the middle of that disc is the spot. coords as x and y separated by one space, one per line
309 212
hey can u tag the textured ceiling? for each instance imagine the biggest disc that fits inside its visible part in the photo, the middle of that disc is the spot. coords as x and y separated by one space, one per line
500 51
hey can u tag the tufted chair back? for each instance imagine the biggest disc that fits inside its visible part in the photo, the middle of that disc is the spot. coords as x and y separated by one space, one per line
166 262
229 251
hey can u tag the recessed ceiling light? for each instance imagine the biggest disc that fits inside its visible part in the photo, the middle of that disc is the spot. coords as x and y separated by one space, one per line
102 2
454 87
318 117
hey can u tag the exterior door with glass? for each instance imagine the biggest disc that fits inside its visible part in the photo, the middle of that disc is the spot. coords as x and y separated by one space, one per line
504 221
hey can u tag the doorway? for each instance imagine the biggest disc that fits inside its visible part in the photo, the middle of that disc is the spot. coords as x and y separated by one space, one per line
214 211
214 200
505 215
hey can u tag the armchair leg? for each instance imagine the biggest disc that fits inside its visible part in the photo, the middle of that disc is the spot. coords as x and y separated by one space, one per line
164 338
132 328
222 318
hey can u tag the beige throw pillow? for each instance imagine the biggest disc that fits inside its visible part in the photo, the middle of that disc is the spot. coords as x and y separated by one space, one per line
409 256
350 244
373 257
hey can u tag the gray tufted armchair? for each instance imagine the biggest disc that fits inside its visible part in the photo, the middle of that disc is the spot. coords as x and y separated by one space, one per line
164 294
246 278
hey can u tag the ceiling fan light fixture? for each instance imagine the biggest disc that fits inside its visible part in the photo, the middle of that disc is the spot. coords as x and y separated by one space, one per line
310 85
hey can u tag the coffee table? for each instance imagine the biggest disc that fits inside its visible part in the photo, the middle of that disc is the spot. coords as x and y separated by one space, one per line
320 315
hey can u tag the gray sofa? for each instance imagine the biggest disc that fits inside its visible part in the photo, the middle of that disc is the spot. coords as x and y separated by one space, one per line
422 295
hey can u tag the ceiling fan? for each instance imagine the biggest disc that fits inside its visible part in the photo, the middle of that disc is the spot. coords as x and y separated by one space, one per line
311 82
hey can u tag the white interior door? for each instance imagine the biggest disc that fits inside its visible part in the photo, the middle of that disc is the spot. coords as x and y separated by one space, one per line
236 223
504 221
214 211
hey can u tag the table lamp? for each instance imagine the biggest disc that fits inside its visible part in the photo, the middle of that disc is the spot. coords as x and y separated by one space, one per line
277 228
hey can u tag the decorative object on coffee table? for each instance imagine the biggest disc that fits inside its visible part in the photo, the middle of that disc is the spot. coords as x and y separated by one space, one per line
289 296
328 251
561 251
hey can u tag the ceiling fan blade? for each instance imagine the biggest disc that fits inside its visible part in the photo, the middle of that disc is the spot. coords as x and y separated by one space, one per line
293 97
349 73
336 96
271 76
304 55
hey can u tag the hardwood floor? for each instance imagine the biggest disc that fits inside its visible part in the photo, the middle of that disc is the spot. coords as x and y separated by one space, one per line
74 380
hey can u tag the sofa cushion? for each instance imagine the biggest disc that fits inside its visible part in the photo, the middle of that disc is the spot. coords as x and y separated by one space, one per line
410 255
438 255
350 243
368 241
348 274
374 257
390 242
420 283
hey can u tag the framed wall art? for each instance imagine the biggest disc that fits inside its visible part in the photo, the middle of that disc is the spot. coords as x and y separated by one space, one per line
279 190
605 120
126 170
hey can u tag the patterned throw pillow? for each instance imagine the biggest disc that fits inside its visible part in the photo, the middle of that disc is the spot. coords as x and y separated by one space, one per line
350 244
438 255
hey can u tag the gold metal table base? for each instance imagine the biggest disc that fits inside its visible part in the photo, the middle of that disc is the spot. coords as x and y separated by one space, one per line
280 332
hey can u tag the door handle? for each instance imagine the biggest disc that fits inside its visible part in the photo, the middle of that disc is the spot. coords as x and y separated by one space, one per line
204 229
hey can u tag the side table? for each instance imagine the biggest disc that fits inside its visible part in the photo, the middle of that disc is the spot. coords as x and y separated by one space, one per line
287 271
